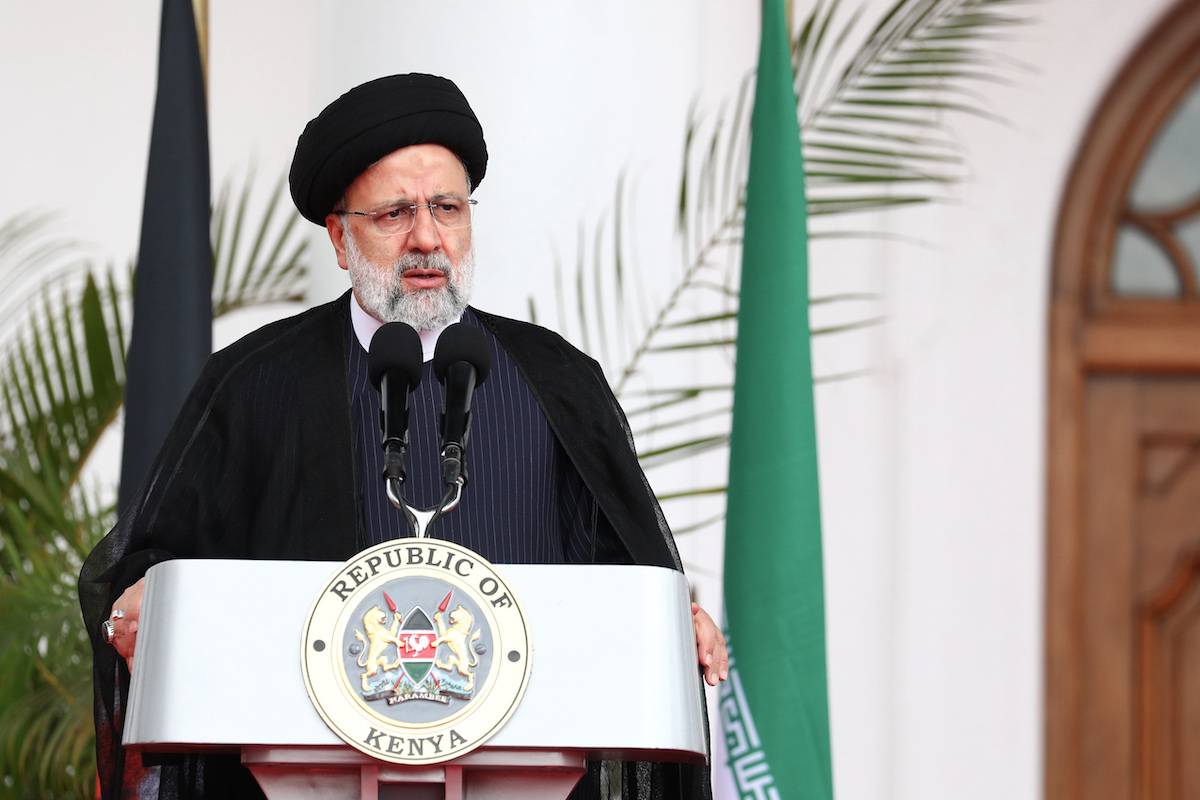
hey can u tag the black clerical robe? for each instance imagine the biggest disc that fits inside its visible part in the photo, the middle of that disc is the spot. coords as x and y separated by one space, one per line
260 464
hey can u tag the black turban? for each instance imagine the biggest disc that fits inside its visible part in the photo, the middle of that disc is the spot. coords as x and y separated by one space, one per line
372 120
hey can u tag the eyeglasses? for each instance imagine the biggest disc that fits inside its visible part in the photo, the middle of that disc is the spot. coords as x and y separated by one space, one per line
448 212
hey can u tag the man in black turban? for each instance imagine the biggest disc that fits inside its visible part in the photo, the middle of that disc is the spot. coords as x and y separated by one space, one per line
372 120
275 452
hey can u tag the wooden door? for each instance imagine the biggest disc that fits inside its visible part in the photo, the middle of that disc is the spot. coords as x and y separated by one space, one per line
1122 692
1140 565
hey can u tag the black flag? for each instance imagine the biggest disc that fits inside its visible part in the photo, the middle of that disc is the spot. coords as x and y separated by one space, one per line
172 305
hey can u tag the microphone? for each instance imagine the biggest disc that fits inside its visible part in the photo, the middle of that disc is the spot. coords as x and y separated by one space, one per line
394 367
461 362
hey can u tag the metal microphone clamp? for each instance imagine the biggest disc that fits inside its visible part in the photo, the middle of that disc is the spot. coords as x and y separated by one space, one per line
420 519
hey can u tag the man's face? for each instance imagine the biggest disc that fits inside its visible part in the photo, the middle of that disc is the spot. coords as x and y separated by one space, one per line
420 276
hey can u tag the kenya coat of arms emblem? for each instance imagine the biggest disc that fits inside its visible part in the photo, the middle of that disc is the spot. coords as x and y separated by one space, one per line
416 652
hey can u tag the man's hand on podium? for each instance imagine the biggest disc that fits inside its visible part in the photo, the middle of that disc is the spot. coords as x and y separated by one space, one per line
124 621
710 646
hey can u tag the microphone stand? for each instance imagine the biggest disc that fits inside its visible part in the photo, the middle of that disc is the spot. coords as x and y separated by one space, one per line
454 458
419 519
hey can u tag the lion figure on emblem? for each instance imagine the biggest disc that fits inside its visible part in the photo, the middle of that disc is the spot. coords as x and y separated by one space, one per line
458 638
379 637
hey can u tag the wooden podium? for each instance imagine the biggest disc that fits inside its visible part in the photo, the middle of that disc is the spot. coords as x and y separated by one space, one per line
613 676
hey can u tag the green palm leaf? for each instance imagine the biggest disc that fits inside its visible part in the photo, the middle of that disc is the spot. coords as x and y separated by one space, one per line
870 100
62 368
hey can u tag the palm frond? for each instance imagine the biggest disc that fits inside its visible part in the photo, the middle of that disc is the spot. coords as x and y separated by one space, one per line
62 380
63 365
269 266
872 96
875 119
34 255
45 699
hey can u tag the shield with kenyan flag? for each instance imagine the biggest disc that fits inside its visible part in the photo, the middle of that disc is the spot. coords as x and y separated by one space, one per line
416 645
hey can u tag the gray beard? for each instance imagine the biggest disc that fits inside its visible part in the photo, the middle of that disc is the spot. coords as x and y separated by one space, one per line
380 290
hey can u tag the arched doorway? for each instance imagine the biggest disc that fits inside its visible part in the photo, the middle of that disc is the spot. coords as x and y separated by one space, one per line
1123 461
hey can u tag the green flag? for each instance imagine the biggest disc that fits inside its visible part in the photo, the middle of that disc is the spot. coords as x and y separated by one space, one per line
774 707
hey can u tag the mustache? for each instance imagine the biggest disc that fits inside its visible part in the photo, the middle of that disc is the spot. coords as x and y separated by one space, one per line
423 262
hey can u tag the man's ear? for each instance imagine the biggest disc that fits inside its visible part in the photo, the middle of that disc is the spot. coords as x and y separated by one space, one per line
337 235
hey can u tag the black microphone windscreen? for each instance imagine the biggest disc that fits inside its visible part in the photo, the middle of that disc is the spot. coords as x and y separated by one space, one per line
462 342
395 348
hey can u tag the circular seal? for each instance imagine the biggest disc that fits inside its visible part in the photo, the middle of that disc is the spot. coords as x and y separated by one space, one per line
416 651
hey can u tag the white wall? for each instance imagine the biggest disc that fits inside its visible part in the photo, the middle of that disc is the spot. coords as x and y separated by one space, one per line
966 355
932 468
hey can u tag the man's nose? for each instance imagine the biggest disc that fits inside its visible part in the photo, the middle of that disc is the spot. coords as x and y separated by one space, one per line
425 236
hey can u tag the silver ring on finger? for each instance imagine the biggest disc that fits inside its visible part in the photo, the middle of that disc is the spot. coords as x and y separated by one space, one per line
118 613
107 631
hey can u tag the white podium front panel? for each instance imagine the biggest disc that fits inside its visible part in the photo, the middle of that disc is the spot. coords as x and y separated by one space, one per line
613 668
